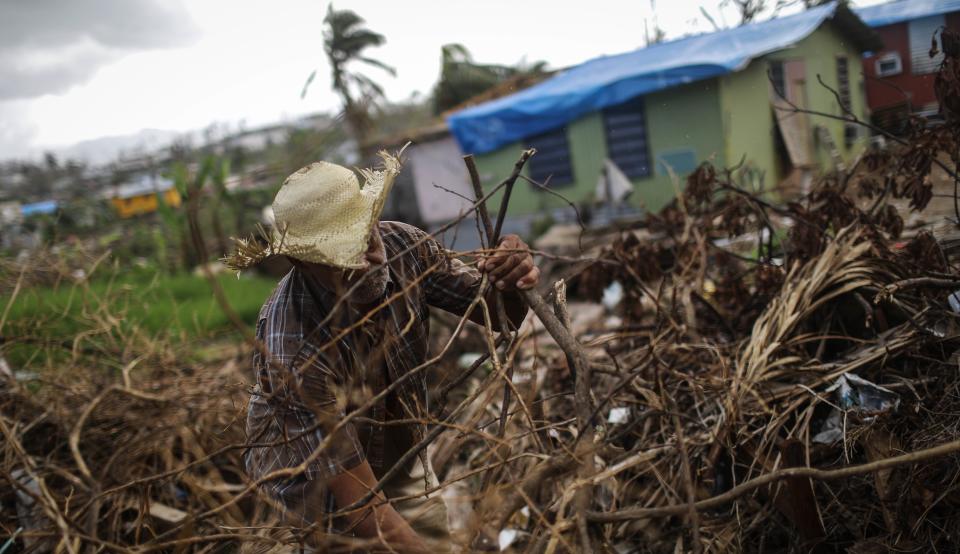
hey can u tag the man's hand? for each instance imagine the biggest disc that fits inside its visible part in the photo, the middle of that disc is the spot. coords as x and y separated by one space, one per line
510 266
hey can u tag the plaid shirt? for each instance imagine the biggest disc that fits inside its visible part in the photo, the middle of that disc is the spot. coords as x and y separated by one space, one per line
320 364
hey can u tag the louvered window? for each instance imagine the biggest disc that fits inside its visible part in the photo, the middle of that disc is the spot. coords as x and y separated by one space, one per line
921 32
551 165
625 127
843 82
777 79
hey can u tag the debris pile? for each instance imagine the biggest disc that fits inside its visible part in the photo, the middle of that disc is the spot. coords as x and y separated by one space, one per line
113 449
754 336
763 376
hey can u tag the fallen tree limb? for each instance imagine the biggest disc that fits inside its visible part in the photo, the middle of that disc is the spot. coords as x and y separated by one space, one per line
763 480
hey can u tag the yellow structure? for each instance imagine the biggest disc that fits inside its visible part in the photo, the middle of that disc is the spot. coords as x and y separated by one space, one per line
134 200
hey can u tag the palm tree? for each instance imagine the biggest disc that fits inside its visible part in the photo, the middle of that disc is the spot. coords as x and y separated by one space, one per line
461 78
344 40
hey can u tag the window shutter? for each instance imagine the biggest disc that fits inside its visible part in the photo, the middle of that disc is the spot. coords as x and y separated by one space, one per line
625 127
920 32
843 83
552 160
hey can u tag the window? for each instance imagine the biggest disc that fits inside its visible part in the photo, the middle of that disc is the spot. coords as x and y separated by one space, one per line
625 127
921 32
778 79
843 83
551 165
851 133
888 64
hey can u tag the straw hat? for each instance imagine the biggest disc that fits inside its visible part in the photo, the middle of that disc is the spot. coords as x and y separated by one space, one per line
323 215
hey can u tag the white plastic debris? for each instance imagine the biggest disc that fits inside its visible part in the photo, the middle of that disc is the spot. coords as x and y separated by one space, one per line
618 415
954 300
506 538
466 359
854 394
5 369
612 295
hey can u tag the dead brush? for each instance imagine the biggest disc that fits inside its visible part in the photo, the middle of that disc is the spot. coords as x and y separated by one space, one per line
724 411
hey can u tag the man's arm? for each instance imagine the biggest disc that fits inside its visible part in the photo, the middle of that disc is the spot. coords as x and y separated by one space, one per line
381 521
451 285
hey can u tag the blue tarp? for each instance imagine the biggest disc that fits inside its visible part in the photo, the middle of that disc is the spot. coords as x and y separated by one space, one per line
611 80
45 207
905 10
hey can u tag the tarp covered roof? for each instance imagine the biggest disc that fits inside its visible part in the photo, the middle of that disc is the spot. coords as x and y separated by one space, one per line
905 10
42 207
611 80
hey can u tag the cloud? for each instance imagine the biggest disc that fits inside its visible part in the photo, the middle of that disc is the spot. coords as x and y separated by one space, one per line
16 132
48 46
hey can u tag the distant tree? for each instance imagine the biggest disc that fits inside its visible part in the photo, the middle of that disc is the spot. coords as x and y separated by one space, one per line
50 161
657 34
461 78
748 9
344 40
181 149
751 10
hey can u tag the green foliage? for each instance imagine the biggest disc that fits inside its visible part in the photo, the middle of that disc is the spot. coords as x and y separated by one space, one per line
461 78
190 185
139 300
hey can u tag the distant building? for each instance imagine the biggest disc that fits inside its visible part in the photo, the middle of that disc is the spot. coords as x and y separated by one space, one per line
10 213
659 111
900 75
44 207
142 195
432 160
434 187
264 137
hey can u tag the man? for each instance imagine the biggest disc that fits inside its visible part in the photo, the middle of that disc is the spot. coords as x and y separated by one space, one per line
347 322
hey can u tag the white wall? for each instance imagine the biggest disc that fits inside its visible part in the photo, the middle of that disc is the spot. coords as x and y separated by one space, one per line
439 162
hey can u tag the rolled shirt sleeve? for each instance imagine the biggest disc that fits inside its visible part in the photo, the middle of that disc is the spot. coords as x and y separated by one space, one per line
450 285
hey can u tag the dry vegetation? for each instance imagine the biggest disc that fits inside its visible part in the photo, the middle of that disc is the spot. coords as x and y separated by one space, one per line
673 427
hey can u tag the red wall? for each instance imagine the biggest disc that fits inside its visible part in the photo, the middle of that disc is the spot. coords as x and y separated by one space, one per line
918 87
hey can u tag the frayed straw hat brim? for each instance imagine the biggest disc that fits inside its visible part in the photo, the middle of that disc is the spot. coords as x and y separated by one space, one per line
323 215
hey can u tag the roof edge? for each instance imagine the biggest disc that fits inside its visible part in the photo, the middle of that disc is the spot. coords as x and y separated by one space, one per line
864 36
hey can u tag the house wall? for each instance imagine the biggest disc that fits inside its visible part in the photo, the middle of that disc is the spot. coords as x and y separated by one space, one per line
887 92
679 119
439 162
722 120
748 117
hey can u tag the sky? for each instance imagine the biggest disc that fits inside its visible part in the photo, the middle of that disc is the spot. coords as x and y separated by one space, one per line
76 70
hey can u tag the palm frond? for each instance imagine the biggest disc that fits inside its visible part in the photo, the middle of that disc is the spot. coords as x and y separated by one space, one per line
306 85
377 63
350 45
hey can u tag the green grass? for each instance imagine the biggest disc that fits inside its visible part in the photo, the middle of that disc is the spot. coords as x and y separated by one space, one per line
155 304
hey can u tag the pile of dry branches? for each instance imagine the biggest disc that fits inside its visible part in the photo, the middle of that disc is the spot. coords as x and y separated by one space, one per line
776 377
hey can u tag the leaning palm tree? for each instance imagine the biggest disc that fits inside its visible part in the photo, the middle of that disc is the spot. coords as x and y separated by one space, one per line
344 40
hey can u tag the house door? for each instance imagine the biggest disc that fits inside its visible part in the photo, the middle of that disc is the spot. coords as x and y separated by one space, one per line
788 92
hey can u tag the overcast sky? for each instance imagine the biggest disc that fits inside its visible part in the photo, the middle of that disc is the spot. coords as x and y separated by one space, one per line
73 70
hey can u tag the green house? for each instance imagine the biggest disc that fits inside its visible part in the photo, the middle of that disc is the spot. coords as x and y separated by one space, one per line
657 112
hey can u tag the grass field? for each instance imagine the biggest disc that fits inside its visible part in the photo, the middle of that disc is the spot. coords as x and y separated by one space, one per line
154 304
